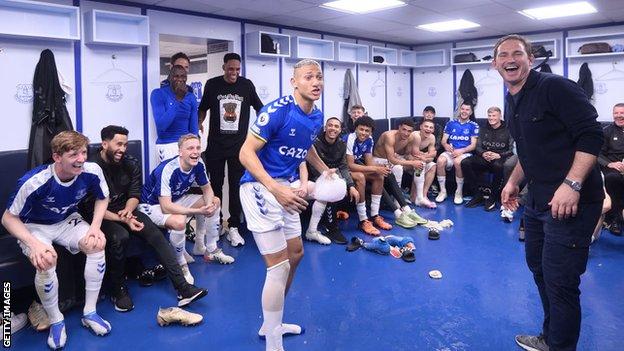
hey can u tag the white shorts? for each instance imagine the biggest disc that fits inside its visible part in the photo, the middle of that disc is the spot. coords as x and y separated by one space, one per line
67 233
154 212
449 158
264 215
167 151
381 161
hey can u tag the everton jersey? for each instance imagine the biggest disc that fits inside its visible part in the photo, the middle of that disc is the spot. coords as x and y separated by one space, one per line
357 148
288 133
168 179
42 198
461 133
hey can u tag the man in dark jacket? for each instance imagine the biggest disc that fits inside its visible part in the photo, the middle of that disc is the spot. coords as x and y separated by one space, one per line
123 176
558 140
611 160
332 150
429 115
494 147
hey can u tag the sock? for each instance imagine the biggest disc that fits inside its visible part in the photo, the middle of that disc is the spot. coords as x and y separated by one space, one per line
211 231
442 182
460 185
397 204
361 210
406 209
93 275
375 201
273 302
317 211
177 238
397 213
420 186
46 284
200 232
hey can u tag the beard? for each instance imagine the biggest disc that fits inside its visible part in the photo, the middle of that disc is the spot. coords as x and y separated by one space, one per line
110 155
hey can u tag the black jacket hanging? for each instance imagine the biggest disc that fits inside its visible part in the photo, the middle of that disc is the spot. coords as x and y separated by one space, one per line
50 115
545 68
467 93
585 80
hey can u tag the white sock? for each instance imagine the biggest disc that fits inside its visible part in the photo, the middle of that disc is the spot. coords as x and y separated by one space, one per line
177 239
46 284
397 213
361 210
273 302
212 230
442 182
406 209
317 211
375 201
419 182
460 185
200 232
93 275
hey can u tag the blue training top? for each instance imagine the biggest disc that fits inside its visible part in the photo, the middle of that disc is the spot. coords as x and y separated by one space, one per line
460 133
288 133
168 179
173 118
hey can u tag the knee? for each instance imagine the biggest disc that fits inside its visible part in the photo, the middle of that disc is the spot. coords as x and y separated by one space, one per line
117 238
177 222
295 255
358 178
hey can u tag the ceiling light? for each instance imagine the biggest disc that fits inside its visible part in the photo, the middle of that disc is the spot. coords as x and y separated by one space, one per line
362 6
564 10
448 25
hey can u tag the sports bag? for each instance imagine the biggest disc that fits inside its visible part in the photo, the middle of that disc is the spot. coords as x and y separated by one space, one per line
594 48
468 57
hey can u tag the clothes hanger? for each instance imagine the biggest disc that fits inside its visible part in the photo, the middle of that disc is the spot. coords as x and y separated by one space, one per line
114 75
487 80
613 74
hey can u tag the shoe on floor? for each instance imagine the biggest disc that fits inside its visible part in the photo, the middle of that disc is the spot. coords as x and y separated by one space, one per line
234 237
160 272
315 235
190 293
368 228
416 218
532 342
38 317
458 199
335 235
187 274
441 196
188 257
426 203
18 321
96 324
57 336
405 221
218 256
189 231
433 234
171 315
146 278
476 200
121 300
342 215
380 223
287 330
489 204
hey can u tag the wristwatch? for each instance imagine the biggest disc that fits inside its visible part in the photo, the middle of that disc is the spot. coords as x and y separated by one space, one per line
576 186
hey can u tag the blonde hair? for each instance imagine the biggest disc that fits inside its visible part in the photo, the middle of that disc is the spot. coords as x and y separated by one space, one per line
307 62
494 109
68 140
186 137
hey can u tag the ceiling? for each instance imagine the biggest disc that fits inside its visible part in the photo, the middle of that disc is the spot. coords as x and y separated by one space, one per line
496 17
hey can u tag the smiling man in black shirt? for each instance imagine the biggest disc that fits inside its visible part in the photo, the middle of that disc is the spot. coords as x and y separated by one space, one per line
229 98
612 161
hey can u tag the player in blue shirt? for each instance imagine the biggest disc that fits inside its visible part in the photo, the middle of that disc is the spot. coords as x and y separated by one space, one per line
279 141
167 202
42 211
459 139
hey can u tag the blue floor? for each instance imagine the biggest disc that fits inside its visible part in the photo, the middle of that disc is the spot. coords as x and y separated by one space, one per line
364 301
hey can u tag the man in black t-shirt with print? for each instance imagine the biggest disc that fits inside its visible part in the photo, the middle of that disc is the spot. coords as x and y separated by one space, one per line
229 99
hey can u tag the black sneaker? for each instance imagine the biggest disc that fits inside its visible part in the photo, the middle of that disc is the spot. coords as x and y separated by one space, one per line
335 235
476 200
122 300
146 278
433 234
615 228
190 231
190 293
532 342
159 272
489 203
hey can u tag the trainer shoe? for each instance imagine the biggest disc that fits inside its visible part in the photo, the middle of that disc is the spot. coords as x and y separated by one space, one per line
342 215
218 256
490 203
405 221
335 235
532 342
187 274
234 237
190 293
146 278
315 235
458 199
170 315
57 336
416 218
38 317
475 201
18 321
381 223
122 301
96 324
506 215
367 227
160 272
441 196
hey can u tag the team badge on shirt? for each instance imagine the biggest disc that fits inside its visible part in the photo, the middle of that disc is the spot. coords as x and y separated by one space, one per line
263 119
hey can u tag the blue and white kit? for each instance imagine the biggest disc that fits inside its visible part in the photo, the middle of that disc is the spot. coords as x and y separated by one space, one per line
461 133
358 149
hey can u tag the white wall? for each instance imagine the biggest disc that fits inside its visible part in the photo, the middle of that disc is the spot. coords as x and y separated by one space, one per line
434 86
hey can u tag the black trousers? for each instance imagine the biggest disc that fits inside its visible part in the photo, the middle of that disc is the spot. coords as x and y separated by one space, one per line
614 182
392 192
556 253
117 236
216 170
475 167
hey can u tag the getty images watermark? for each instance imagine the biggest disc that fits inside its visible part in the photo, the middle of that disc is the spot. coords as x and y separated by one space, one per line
6 314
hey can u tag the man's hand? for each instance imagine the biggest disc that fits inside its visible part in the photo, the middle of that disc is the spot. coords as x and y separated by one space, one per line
134 224
180 89
509 196
211 208
354 195
382 170
42 256
456 153
564 202
94 239
125 213
618 166
287 197
302 190
418 164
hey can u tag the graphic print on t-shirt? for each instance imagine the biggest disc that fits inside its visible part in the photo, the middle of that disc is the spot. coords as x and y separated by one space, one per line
229 110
